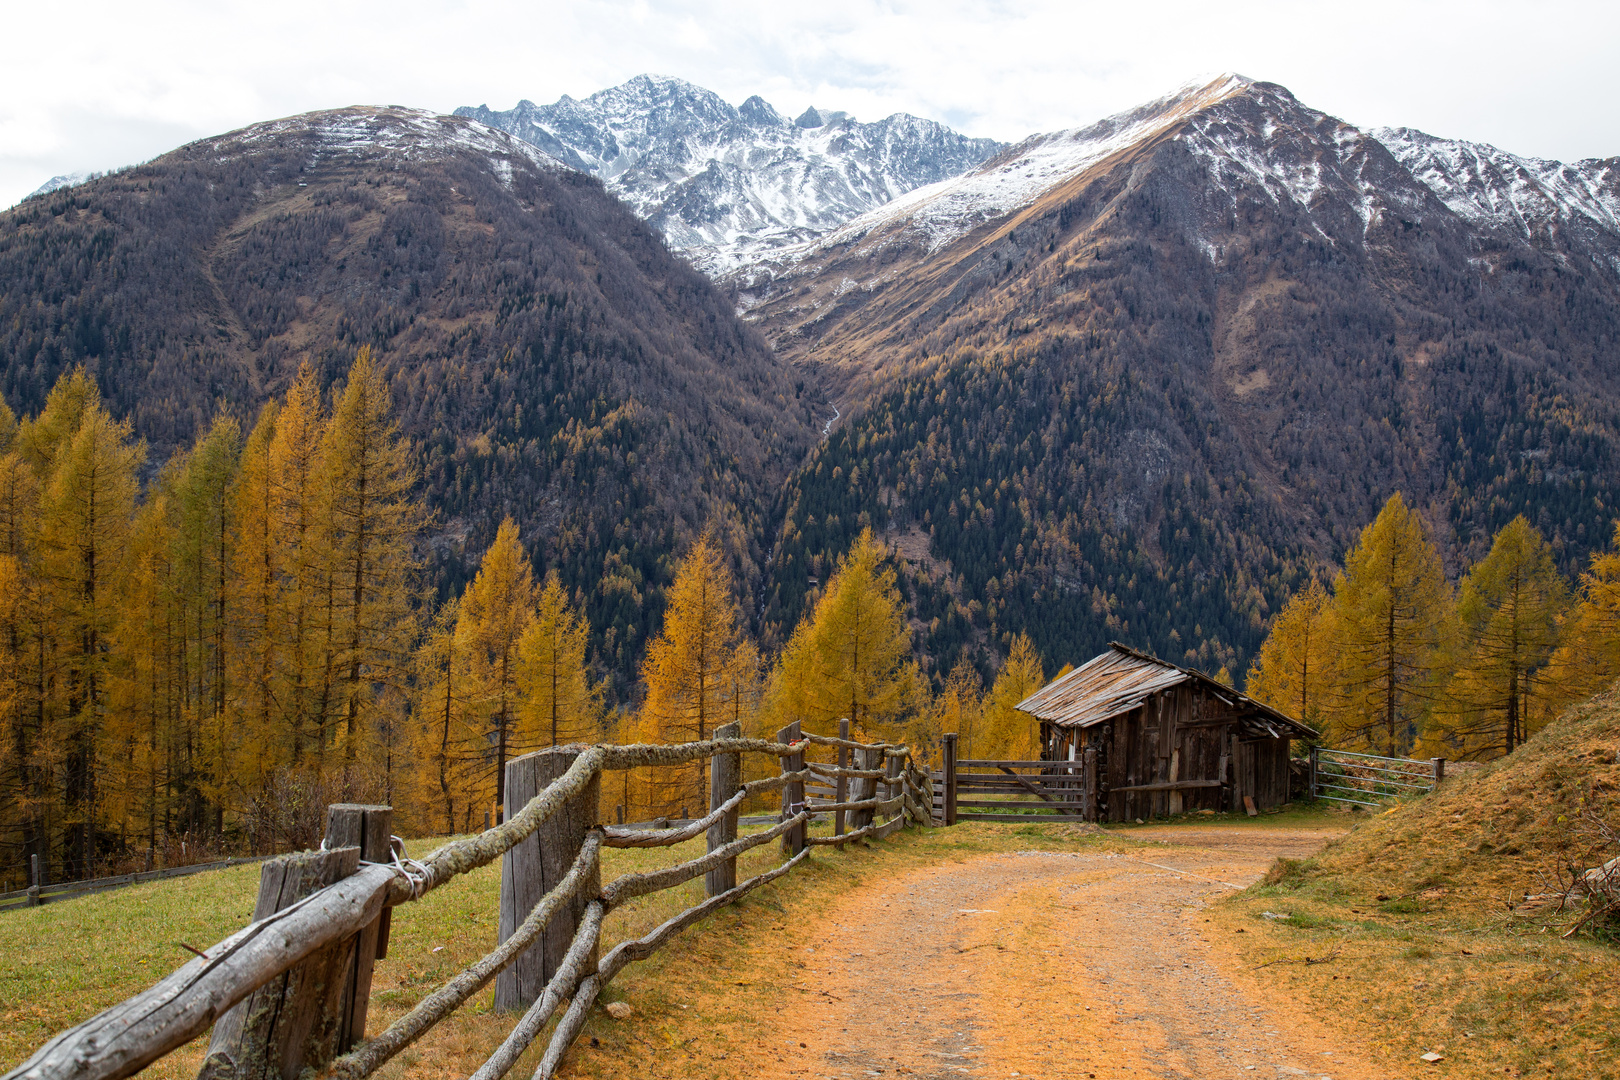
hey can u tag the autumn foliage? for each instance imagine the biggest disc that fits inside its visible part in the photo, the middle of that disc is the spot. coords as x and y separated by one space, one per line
1395 661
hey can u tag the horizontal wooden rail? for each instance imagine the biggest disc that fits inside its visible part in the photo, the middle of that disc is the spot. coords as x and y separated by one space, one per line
1170 785
618 836
68 890
1025 804
633 885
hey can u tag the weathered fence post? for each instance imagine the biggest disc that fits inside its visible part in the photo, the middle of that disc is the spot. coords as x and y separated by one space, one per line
793 841
891 769
296 1020
1088 783
841 783
1439 764
369 828
34 880
948 764
725 777
1314 751
534 866
865 787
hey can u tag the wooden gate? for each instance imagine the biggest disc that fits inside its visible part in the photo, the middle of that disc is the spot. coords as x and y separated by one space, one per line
1013 792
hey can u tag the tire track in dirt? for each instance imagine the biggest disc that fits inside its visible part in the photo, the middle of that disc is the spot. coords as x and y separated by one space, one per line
1051 965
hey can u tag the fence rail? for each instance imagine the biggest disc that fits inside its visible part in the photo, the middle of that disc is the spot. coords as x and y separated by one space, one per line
40 893
323 918
1370 780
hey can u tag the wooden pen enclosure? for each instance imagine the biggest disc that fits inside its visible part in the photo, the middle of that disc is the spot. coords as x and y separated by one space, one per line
1165 740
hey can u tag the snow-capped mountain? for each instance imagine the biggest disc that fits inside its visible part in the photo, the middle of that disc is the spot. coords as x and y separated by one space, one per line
57 183
1254 138
727 184
1542 202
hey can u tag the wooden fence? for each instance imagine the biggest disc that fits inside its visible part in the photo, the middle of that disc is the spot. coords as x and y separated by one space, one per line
1370 780
1011 791
290 991
40 893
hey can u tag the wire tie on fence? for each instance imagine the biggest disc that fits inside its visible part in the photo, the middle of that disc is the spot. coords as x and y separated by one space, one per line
414 873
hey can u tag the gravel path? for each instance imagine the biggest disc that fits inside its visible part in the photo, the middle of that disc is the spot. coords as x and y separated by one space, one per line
1051 965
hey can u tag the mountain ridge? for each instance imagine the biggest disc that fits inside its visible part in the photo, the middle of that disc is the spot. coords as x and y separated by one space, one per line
725 183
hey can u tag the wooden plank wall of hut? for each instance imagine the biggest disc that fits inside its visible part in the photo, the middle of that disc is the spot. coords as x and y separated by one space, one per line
1259 770
1180 736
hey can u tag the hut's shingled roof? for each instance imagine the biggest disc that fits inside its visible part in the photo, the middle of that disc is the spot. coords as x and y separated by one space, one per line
1121 679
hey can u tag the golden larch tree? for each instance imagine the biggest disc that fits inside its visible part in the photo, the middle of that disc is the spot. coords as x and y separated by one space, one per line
306 593
1295 661
497 608
688 669
1011 735
559 703
1393 614
372 519
1509 608
86 512
851 657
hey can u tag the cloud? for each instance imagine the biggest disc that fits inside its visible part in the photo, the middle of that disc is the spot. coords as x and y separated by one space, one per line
115 83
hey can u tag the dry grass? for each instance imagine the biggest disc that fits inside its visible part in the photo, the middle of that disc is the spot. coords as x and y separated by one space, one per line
1420 916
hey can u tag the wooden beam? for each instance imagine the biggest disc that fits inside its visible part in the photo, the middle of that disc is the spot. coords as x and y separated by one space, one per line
1178 785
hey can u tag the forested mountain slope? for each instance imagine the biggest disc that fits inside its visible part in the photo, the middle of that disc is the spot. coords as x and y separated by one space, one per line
549 358
1136 380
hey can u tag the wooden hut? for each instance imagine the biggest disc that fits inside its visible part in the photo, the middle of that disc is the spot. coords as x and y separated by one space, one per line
1157 739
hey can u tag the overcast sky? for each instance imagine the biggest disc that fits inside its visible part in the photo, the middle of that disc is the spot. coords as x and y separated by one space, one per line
98 85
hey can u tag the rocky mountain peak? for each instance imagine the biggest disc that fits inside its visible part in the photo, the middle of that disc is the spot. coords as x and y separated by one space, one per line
725 183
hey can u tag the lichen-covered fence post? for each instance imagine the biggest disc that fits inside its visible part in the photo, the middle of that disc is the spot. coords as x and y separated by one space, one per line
793 841
725 776
841 785
535 865
295 1020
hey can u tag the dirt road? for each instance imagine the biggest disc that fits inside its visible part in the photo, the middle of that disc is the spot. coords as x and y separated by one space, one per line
1039 964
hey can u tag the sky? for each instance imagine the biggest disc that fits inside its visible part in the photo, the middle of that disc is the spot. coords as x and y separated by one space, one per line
96 86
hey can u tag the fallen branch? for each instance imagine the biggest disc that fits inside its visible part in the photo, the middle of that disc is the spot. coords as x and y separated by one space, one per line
1306 961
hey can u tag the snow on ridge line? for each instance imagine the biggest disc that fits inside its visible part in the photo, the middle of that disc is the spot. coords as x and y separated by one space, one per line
1016 177
397 129
1486 185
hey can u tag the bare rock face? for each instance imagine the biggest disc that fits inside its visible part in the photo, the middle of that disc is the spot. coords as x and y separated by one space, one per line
727 184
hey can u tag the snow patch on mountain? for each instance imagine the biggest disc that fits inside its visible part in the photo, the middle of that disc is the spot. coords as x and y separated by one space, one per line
940 213
409 133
